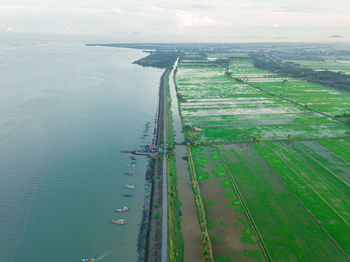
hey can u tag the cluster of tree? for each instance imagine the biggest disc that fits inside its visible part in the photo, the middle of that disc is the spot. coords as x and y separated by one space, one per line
194 136
343 115
160 59
274 64
170 152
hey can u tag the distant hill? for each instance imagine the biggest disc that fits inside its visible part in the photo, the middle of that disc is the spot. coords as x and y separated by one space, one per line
335 36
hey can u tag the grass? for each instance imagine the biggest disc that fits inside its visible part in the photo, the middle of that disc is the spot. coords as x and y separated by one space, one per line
221 230
287 229
325 201
339 147
295 194
207 253
227 110
175 240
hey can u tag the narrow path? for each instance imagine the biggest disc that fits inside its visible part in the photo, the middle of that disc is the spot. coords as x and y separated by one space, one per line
165 184
154 238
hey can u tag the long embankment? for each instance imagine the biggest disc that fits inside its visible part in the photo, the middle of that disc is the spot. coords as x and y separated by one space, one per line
154 238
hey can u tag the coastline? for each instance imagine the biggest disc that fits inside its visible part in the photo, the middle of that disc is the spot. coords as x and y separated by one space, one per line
154 232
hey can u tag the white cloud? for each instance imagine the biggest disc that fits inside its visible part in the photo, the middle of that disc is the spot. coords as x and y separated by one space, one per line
117 10
45 9
190 19
8 29
65 30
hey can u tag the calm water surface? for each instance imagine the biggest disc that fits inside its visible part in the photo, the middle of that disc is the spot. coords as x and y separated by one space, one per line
66 111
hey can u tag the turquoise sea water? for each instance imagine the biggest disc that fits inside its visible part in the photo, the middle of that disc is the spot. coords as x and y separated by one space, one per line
66 111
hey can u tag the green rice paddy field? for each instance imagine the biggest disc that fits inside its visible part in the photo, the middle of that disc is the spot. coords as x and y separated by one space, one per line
228 110
273 164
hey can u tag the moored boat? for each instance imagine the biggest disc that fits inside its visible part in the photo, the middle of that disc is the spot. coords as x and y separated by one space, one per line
123 209
128 195
119 221
88 259
128 173
131 166
132 187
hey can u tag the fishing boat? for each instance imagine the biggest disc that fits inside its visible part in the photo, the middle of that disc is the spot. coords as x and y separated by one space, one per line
128 195
88 259
119 221
128 173
123 209
131 166
132 187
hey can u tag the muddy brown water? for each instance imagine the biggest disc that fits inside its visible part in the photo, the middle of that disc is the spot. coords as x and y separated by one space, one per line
226 230
190 228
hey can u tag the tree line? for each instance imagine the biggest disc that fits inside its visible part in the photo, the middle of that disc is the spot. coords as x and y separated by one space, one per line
264 61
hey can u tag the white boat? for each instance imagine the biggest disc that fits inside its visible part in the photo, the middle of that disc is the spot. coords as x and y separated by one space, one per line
123 209
88 259
119 221
132 187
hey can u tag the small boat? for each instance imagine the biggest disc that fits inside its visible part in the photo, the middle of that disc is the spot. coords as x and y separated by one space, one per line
131 166
119 221
132 187
128 195
88 259
123 209
128 173
132 157
132 162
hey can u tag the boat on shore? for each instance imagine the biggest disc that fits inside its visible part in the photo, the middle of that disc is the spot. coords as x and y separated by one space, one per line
132 187
119 221
123 209
128 195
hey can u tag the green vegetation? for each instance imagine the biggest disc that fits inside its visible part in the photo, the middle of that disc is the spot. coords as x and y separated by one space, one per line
175 241
339 147
161 59
254 105
328 78
325 201
269 155
207 253
220 221
286 227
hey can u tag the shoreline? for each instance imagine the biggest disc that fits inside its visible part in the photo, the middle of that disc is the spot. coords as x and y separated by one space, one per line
154 232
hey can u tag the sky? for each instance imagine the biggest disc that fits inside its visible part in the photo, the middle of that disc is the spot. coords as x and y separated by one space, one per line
177 21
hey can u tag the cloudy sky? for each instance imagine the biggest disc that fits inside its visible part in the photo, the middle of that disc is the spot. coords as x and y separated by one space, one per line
177 21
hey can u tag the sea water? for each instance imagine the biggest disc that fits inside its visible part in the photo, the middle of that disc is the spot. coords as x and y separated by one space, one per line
66 112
